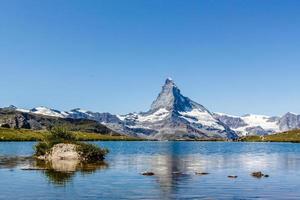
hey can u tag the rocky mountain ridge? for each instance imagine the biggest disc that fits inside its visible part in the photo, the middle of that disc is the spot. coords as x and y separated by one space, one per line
13 118
260 124
174 116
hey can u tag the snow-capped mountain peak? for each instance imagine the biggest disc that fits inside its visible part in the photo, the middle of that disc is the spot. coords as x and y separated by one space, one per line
173 115
166 97
170 98
169 79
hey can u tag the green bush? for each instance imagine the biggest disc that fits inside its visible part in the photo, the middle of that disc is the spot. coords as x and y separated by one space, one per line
91 152
58 134
41 148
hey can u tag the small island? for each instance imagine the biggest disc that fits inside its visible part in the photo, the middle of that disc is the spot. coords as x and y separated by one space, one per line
61 145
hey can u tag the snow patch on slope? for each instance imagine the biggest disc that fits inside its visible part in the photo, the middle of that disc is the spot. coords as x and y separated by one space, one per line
224 114
202 117
262 121
159 115
251 123
79 111
23 110
121 117
48 112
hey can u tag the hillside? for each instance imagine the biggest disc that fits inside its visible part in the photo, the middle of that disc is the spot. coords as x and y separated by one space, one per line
288 136
11 118
8 134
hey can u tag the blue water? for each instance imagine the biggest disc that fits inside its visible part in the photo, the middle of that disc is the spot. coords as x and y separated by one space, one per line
174 165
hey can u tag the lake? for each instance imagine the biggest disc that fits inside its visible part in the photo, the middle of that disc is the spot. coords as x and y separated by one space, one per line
174 165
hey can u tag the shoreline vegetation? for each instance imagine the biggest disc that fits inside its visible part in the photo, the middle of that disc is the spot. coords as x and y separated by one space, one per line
26 135
292 136
22 135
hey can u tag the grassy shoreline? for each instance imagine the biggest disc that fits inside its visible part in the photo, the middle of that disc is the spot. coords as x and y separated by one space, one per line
25 135
288 136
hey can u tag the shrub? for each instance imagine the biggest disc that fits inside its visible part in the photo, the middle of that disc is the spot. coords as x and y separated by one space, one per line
58 134
91 152
41 148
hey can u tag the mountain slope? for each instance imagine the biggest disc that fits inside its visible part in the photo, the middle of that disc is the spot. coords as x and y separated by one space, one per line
41 110
260 124
13 118
289 121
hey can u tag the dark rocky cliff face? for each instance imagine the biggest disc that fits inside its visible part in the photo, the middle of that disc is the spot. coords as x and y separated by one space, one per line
10 118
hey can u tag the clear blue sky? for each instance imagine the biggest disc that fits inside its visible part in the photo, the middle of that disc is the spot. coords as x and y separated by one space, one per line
113 55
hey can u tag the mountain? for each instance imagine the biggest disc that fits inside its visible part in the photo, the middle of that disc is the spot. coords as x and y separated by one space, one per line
12 117
260 124
41 110
250 124
171 116
289 121
174 116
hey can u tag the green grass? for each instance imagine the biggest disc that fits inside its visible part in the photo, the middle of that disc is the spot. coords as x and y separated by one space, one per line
288 136
7 134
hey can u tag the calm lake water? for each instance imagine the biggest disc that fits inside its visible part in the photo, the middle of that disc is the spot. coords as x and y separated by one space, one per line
174 165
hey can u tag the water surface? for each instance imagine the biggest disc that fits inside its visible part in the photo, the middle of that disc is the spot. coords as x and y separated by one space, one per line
174 165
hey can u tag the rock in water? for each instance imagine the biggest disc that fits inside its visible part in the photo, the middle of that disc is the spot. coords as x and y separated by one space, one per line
202 173
62 152
259 175
148 174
